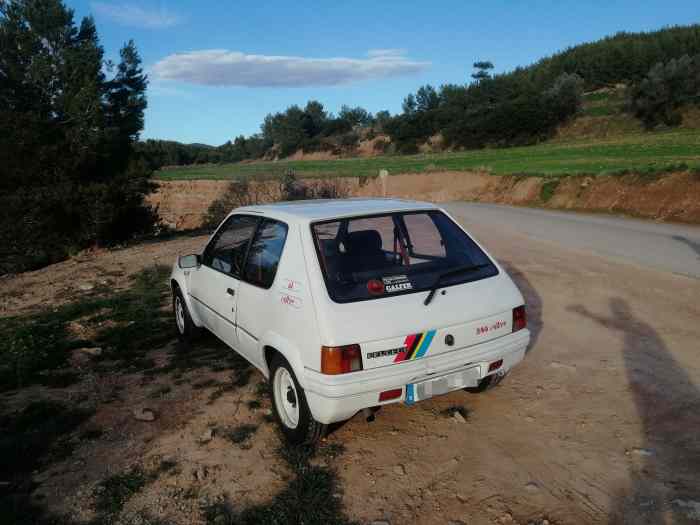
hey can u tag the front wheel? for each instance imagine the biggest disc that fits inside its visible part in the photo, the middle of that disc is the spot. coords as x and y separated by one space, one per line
187 331
290 407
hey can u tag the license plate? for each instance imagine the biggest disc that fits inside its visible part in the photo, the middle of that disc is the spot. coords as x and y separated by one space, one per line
468 377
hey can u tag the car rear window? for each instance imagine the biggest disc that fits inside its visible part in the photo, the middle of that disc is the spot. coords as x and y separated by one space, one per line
395 253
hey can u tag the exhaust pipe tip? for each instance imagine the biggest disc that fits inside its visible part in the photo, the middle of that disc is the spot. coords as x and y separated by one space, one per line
368 414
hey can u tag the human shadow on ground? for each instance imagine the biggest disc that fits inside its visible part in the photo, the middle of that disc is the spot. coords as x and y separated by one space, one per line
665 471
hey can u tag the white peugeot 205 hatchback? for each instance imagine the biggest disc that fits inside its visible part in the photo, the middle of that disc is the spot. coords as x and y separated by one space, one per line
347 305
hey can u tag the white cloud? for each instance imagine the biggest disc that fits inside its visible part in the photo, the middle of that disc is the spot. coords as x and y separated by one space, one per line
385 53
133 15
221 67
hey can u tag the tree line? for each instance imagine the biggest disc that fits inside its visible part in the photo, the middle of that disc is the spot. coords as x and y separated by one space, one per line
519 107
310 128
74 174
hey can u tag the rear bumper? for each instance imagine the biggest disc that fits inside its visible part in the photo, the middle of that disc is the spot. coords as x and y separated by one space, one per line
336 398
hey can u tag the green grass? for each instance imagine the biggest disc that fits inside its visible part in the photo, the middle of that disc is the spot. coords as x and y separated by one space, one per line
112 493
35 348
547 190
600 104
312 497
600 110
640 151
36 435
29 439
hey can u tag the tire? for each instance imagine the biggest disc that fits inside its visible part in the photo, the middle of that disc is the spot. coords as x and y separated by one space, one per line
186 329
290 407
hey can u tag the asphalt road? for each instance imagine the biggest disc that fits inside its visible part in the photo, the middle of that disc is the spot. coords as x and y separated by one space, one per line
669 247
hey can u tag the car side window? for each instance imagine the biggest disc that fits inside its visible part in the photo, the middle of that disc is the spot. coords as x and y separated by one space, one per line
265 253
226 251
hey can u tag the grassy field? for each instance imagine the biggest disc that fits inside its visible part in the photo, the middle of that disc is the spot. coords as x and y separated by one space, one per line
643 152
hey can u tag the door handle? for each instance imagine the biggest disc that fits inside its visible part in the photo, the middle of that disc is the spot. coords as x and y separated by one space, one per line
231 291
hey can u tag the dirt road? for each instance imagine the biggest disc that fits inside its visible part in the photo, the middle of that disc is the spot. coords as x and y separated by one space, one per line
670 247
598 425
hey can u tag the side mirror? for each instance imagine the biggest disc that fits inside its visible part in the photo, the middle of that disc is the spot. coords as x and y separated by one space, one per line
189 261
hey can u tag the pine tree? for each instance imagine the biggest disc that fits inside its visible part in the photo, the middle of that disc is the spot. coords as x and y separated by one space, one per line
68 173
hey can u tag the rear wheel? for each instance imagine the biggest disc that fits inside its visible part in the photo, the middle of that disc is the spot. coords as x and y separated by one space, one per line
186 329
290 407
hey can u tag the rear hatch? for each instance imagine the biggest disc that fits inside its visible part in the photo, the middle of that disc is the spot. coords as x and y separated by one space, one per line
401 329
379 271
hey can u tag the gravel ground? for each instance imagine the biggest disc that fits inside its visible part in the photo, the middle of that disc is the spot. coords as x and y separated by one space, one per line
598 425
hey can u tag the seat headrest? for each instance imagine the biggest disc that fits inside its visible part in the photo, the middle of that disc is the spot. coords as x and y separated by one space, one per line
363 241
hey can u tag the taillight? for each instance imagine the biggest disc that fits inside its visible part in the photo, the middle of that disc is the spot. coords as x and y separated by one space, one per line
340 359
519 318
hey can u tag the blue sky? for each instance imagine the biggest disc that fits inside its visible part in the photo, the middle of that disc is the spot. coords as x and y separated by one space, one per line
217 68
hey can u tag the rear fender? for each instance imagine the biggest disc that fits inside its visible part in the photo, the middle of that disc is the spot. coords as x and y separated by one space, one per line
288 350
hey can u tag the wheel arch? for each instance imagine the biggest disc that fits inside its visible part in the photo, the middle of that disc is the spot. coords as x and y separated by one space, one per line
273 345
176 284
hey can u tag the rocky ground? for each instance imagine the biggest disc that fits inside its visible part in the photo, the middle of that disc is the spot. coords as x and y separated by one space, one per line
598 425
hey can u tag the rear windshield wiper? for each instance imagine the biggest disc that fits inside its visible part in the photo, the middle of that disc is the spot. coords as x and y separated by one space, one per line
448 273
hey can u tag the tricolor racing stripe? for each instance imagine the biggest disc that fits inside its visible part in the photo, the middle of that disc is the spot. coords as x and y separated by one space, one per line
415 346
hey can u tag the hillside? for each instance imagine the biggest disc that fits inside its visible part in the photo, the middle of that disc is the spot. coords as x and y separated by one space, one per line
648 76
601 139
529 137
602 160
638 152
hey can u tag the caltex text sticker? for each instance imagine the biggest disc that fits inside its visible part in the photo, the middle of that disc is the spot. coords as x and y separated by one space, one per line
396 283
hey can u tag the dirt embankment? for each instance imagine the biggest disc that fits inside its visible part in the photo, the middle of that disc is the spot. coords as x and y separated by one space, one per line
669 197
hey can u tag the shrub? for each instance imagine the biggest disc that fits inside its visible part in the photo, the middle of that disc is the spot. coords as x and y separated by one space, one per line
112 493
292 189
547 190
409 147
657 99
349 140
238 193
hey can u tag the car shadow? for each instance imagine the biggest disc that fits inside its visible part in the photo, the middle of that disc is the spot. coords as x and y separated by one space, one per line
533 300
665 471
695 246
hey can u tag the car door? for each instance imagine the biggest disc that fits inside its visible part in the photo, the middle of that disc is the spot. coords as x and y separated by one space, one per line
257 295
214 285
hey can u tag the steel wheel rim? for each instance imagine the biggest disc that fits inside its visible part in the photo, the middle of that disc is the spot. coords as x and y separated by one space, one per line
288 411
180 315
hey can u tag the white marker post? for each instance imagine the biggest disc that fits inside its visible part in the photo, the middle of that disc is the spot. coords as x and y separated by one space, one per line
383 176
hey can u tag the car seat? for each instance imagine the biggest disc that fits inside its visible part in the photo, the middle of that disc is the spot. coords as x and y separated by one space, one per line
363 251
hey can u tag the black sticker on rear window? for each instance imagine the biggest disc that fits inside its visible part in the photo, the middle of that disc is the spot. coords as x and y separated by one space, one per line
396 283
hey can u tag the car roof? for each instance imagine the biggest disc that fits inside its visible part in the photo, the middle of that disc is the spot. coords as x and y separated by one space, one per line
323 209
